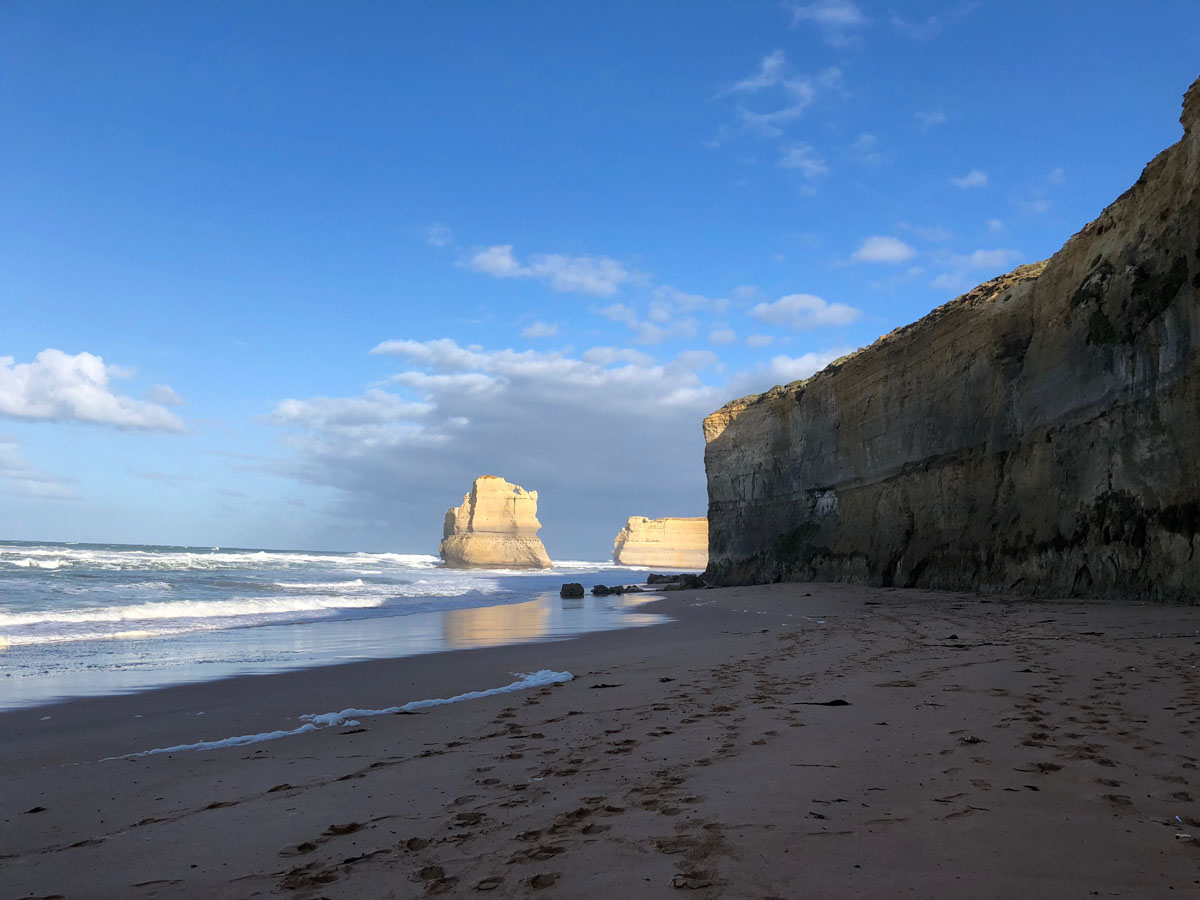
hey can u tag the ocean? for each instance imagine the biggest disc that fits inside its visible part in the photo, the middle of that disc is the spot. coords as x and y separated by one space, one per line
91 619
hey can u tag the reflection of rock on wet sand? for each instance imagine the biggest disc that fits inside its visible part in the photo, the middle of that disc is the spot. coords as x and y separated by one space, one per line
493 624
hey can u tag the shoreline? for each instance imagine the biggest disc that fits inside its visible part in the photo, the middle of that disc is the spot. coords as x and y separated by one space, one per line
272 648
986 746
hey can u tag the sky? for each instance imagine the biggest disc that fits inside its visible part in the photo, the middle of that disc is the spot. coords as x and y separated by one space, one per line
292 274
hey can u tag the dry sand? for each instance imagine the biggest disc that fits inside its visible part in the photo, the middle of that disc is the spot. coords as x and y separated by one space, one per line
979 748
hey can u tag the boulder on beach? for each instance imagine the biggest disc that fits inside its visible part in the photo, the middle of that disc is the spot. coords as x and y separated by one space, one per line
495 527
572 590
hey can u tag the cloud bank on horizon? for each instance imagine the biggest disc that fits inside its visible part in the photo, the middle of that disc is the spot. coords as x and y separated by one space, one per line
488 247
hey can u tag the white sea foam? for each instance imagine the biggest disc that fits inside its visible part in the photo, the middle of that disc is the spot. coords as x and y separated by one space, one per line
316 721
582 564
189 609
30 563
320 585
56 557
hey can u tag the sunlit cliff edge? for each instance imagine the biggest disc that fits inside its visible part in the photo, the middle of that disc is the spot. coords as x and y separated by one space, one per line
1038 435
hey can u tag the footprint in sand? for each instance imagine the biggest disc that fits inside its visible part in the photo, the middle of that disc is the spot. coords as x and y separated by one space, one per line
299 849
306 876
539 853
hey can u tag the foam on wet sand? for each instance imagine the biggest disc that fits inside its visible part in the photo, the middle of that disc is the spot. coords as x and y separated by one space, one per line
786 740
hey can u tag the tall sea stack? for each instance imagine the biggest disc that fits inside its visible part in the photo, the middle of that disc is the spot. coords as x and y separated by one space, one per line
495 527
1038 435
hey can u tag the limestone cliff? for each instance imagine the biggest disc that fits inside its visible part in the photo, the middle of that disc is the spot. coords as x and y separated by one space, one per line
495 527
1038 435
662 543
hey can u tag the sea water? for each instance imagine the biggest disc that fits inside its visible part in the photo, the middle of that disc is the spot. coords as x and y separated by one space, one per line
88 619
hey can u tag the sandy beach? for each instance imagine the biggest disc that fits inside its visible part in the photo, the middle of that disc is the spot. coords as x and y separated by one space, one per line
798 740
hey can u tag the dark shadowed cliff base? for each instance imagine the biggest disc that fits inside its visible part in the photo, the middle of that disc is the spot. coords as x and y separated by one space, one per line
1037 435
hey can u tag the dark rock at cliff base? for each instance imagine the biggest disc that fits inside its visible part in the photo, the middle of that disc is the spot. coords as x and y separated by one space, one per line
571 590
601 590
1038 435
686 579
685 582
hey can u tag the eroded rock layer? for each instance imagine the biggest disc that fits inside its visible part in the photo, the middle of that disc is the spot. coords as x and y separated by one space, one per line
669 543
495 527
1038 435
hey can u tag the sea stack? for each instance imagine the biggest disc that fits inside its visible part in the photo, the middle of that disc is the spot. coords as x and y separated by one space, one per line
1038 435
495 527
668 543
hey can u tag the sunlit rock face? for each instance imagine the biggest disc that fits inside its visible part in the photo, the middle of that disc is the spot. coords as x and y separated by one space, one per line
1038 435
669 543
495 527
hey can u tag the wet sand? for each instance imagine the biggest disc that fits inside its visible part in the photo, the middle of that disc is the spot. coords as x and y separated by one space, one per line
779 741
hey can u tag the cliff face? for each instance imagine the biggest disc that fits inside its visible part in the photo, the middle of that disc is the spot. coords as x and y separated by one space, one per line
1040 434
495 527
663 543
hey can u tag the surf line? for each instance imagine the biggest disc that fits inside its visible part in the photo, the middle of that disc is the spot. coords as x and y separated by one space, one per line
318 721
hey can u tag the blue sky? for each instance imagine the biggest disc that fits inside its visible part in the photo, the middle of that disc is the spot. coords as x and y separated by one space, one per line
291 274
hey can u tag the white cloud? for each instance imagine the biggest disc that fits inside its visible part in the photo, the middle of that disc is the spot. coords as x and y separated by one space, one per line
21 479
785 369
375 407
498 261
164 394
974 178
918 31
930 118
804 311
540 329
722 336
964 271
760 340
670 313
767 124
866 149
438 235
61 387
771 72
933 25
659 329
796 93
837 19
991 259
803 158
164 477
831 13
882 249
613 431
598 275
1056 176
937 234
606 356
995 226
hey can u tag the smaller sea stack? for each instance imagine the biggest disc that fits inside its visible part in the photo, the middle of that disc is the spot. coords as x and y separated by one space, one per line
667 543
